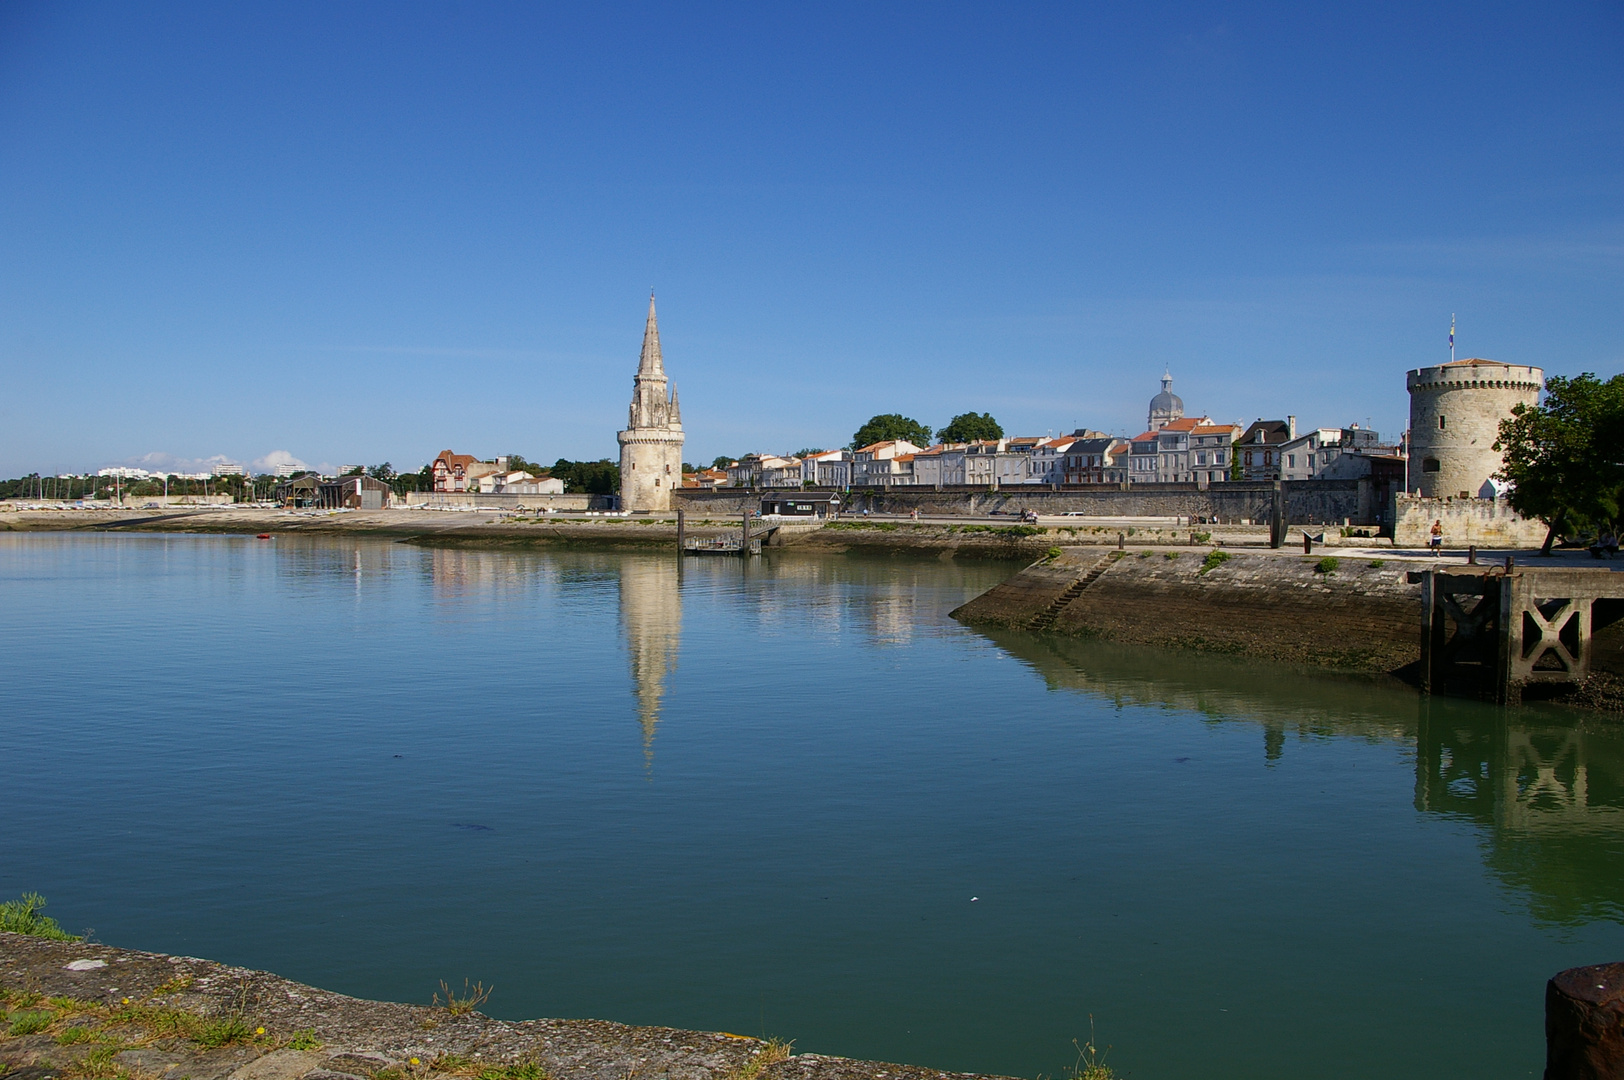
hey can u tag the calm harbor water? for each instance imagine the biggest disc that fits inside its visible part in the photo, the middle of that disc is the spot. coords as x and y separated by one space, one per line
788 797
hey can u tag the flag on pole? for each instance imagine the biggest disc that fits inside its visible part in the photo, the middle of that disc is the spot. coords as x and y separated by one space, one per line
1451 335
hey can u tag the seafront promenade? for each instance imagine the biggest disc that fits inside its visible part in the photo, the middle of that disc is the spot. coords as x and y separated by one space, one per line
961 536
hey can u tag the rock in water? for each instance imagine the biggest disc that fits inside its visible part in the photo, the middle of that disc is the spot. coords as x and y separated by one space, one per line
1584 1024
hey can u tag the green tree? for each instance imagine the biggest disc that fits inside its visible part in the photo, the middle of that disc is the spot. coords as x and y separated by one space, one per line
971 427
384 472
889 426
1561 456
591 477
722 462
807 451
519 463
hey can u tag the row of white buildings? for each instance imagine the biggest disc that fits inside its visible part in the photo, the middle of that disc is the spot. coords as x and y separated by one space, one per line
1174 448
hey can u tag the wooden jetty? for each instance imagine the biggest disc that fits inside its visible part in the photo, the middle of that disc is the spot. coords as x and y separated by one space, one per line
740 543
1505 628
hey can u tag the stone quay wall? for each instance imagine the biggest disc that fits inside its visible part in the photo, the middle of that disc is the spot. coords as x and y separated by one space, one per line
1357 616
1307 501
1484 522
507 501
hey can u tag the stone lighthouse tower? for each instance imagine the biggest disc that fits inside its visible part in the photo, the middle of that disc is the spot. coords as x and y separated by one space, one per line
1455 414
651 445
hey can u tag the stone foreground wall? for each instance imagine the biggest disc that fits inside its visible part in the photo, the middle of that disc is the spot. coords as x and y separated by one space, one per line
1358 616
152 1008
1484 522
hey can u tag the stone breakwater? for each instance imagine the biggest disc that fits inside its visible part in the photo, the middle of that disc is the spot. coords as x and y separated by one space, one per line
1360 614
92 1012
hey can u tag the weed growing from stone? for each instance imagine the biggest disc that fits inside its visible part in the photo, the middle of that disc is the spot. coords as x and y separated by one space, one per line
173 986
1090 1062
472 997
223 1031
1170 555
304 1040
524 1070
1327 565
98 1064
772 1052
31 1023
1052 554
1377 564
78 1034
23 917
1213 561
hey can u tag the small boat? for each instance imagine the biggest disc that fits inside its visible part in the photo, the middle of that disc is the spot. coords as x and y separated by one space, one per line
263 536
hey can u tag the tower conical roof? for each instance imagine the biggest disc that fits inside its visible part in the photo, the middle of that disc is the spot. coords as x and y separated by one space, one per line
651 364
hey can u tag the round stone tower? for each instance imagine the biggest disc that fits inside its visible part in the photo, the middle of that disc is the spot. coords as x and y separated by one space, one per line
651 445
1455 414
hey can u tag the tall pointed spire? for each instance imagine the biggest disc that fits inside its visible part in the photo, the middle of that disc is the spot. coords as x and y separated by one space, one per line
651 364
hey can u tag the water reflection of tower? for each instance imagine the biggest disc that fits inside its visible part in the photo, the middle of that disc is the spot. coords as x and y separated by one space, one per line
651 619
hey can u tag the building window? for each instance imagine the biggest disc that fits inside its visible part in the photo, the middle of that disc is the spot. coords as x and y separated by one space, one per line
1291 461
1441 424
1429 464
1268 457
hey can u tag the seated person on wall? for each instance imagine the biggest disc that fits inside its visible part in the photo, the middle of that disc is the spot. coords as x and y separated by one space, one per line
1606 544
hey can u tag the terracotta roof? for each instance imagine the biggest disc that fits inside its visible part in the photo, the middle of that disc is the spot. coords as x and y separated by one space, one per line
453 460
1213 429
1476 361
1185 424
1146 435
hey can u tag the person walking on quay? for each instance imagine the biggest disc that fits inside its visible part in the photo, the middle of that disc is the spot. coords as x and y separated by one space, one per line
1437 541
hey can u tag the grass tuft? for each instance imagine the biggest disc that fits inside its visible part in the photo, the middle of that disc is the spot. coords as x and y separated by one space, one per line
1213 561
223 1031
472 997
523 1070
771 1053
1377 564
23 917
31 1023
1327 565
1090 1063
304 1039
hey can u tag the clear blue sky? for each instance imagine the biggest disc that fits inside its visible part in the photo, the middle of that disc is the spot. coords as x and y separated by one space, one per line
363 232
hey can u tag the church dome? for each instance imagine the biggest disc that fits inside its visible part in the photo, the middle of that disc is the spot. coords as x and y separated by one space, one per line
1167 402
1165 406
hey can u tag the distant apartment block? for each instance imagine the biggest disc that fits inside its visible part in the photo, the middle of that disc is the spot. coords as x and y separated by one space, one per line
1311 454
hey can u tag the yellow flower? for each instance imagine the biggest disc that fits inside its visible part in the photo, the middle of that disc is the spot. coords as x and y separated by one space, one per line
125 1001
259 1031
416 1062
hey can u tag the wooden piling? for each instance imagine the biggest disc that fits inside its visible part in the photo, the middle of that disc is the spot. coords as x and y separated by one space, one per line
682 537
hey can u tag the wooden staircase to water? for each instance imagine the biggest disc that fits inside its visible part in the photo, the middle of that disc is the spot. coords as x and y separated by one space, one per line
1046 618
